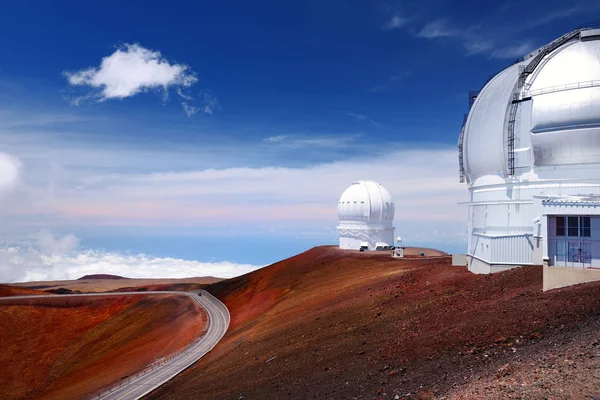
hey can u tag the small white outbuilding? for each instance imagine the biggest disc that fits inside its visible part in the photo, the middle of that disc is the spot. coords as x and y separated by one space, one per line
366 212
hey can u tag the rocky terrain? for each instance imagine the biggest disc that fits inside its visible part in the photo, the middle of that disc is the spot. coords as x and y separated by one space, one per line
331 324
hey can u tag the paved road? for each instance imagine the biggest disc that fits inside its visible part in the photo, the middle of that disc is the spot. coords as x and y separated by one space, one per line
146 381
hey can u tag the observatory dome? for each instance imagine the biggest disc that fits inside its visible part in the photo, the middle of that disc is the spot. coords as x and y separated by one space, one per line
554 96
366 202
529 151
366 211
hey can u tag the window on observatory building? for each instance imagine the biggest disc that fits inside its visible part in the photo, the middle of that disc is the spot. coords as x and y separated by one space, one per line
576 226
585 227
560 226
573 226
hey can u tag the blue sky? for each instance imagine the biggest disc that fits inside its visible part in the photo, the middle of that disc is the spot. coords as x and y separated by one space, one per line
225 131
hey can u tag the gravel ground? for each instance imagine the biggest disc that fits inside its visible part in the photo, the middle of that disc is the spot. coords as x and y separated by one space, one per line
564 365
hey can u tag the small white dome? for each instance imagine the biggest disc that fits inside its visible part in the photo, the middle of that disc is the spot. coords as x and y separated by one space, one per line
366 202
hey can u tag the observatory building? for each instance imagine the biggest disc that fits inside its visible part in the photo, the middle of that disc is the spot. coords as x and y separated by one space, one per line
366 212
529 151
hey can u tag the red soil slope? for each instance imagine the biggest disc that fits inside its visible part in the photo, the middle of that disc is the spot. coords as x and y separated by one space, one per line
67 348
7 290
335 324
98 284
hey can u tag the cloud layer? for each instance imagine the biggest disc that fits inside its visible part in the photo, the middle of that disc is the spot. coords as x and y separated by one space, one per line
59 258
63 184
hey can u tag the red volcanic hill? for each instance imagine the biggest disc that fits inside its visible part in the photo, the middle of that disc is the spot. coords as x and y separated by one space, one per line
338 324
108 283
7 290
68 348
100 276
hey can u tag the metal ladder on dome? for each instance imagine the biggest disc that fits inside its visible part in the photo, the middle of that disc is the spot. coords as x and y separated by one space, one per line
517 92
544 51
461 165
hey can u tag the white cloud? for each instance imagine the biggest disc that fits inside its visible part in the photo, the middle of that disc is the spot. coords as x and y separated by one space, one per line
59 258
50 244
184 95
477 41
210 104
275 139
211 187
513 51
296 141
392 81
189 110
131 69
436 29
424 183
362 117
10 168
477 46
395 23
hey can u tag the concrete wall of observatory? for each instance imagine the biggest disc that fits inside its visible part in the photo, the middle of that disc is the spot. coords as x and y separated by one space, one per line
352 239
481 267
557 277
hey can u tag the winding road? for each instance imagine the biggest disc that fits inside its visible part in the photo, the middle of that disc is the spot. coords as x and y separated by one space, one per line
142 383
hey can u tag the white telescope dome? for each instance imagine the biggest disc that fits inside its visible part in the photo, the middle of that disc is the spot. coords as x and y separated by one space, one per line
529 151
366 211
366 202
557 113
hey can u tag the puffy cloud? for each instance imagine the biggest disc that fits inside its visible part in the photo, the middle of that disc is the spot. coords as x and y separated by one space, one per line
10 168
50 244
131 69
59 258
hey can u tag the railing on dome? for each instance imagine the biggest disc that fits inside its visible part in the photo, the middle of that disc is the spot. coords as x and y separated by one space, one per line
544 51
519 95
520 89
561 88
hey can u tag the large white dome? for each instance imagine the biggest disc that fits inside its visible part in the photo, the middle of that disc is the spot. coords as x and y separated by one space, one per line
366 211
556 108
530 153
366 202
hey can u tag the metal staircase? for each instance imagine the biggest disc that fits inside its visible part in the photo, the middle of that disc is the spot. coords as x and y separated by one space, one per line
512 117
518 91
544 51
